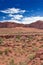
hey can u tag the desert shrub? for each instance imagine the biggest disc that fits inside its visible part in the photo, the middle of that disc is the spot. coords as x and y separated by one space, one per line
30 38
6 51
17 40
41 39
41 46
12 62
35 48
1 52
18 36
31 56
1 41
33 44
22 63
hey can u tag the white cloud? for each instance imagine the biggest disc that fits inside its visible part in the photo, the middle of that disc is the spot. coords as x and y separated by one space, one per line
16 21
28 20
17 16
10 15
12 11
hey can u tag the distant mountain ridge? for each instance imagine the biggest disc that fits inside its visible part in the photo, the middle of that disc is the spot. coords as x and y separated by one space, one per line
10 24
38 24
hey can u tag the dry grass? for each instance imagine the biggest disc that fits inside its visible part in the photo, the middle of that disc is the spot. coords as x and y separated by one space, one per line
25 47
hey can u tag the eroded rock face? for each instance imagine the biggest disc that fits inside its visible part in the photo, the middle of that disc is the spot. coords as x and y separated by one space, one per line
10 25
37 24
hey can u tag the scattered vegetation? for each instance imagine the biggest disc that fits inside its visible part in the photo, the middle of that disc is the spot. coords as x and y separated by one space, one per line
1 41
35 48
26 45
41 46
33 44
6 51
1 52
31 56
30 38
22 63
12 62
18 37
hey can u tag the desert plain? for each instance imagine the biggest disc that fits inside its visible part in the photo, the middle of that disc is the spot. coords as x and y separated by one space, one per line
21 46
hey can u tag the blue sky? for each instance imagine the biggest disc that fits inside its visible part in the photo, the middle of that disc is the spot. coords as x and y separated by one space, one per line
21 11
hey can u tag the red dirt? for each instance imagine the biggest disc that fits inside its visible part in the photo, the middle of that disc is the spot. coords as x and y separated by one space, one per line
21 46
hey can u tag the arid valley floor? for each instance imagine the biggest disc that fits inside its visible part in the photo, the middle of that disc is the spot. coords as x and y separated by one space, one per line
21 46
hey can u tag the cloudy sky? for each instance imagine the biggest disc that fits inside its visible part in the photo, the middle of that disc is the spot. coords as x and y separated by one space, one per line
21 11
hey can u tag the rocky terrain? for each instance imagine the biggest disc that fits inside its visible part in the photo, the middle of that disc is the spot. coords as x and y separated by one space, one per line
21 46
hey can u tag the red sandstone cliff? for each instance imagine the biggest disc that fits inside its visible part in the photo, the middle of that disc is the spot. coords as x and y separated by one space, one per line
37 24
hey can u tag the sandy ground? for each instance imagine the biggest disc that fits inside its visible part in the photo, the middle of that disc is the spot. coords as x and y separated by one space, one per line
25 47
